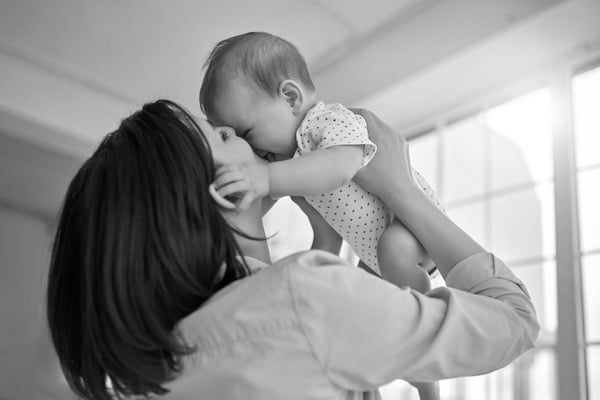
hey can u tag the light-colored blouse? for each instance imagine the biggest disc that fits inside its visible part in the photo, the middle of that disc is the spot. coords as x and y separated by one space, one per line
313 327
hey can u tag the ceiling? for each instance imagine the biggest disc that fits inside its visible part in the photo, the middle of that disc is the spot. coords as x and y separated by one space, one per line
78 66
71 69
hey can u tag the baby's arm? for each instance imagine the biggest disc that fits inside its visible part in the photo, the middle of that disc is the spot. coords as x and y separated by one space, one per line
333 143
316 172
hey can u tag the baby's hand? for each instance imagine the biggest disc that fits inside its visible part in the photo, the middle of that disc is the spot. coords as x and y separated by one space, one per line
242 183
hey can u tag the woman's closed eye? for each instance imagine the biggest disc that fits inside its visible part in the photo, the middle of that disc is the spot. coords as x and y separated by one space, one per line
224 134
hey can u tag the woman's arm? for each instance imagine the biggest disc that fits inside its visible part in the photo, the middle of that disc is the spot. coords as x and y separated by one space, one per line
366 332
388 176
482 321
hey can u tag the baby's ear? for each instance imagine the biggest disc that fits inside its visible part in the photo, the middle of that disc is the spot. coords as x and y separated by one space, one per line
293 94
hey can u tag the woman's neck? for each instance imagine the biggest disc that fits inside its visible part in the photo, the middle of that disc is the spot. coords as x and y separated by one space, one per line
250 222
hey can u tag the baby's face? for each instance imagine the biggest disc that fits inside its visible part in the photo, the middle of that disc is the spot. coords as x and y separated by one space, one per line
267 123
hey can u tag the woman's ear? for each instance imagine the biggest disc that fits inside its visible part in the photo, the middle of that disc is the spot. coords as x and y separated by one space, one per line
293 94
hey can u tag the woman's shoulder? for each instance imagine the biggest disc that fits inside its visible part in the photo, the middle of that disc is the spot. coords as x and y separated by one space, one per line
271 283
265 297
311 258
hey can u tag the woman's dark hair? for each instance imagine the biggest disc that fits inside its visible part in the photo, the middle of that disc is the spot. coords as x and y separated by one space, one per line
138 247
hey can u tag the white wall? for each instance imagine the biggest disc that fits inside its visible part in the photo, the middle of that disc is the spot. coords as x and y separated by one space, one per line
24 346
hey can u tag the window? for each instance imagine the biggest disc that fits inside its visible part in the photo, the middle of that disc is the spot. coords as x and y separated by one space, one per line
493 172
586 98
495 175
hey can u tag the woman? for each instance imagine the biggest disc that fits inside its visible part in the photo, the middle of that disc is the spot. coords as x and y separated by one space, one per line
153 289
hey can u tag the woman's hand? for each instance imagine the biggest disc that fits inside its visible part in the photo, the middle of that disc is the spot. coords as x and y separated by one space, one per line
236 186
389 176
389 172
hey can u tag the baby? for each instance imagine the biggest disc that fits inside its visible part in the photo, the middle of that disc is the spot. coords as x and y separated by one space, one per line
259 84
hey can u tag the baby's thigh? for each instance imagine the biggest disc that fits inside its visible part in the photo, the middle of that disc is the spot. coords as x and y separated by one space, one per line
400 257
397 239
398 243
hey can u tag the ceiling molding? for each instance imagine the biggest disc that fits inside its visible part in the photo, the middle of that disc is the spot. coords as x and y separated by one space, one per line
23 131
63 73
516 58
432 35
355 43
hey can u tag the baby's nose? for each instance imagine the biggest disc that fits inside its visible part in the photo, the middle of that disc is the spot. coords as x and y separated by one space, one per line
265 155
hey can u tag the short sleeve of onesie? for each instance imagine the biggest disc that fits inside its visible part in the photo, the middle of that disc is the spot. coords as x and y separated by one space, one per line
333 125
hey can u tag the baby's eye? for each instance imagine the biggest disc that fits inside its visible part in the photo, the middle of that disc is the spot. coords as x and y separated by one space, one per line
244 134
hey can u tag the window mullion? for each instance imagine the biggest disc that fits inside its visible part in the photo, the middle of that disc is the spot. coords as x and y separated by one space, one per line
571 366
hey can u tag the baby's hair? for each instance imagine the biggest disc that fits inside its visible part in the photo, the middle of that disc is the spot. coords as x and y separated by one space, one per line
264 59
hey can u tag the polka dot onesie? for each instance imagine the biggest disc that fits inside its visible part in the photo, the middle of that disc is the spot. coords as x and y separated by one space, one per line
357 215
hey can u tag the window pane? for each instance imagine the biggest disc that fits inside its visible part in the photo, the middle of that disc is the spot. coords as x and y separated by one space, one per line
540 280
289 228
521 140
539 375
589 208
398 389
471 218
586 97
593 364
522 223
591 296
463 158
424 157
479 387
531 377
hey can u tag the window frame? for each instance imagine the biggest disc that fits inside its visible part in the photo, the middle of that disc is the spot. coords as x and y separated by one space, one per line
571 346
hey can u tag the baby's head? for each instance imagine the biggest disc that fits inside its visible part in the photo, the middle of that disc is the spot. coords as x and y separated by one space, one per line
258 84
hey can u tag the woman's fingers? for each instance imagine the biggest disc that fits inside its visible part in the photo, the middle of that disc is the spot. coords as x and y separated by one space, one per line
391 162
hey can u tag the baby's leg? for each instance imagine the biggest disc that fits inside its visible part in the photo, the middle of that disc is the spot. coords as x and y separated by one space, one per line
404 262
427 390
402 258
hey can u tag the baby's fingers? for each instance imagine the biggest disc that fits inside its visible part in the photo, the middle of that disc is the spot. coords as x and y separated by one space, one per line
226 176
233 188
220 200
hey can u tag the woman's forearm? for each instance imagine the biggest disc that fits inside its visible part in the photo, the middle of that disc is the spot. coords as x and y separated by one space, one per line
389 176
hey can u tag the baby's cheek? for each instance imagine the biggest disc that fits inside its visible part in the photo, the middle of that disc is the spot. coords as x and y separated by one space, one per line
248 154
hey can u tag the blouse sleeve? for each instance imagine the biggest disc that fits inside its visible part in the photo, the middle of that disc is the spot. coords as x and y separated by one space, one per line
366 332
334 125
